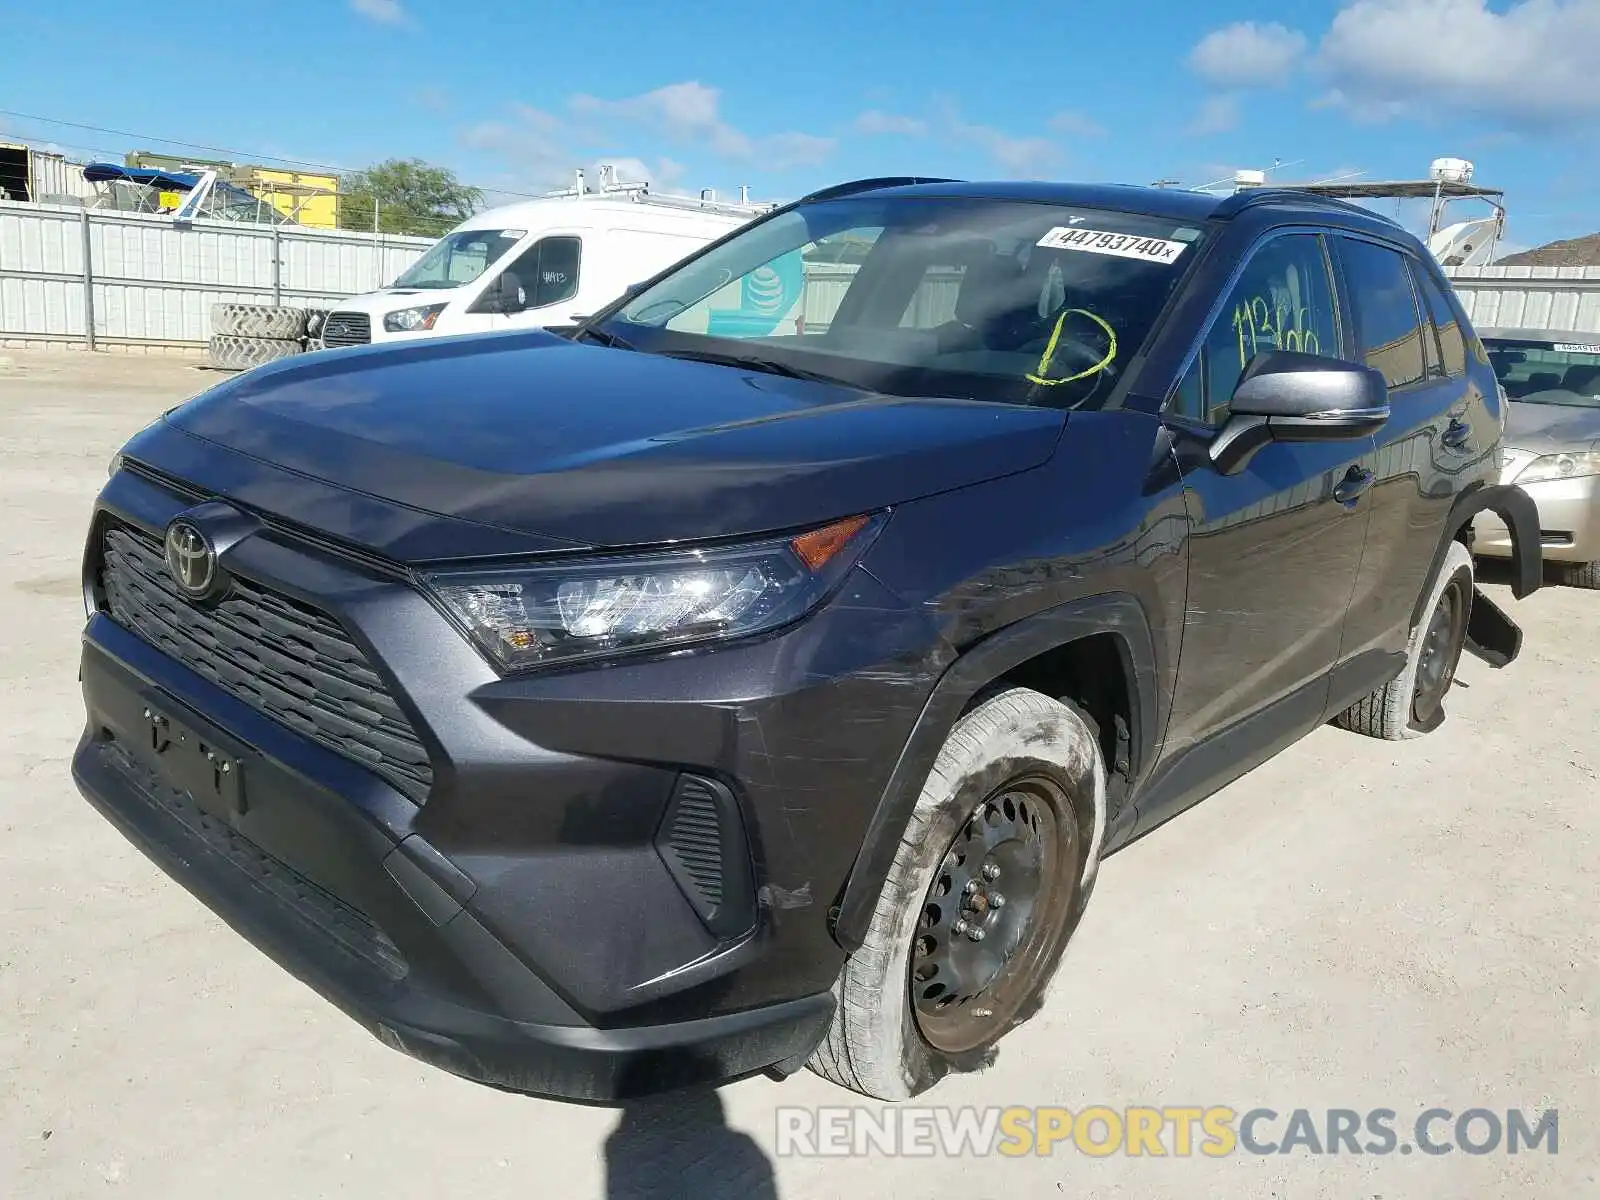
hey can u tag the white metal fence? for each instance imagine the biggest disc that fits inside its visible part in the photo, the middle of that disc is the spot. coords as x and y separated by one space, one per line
94 278
1565 298
109 278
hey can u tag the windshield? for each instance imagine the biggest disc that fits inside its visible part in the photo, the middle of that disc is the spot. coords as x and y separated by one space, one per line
1547 372
459 258
972 298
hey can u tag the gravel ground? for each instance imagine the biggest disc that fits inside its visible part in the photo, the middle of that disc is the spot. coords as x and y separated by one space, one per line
1355 925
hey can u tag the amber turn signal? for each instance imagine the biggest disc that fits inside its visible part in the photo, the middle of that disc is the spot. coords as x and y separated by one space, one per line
818 546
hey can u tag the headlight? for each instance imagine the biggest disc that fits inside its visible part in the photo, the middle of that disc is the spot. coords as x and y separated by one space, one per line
1560 466
410 320
114 465
532 616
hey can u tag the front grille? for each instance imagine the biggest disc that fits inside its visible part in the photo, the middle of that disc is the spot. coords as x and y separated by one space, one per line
347 329
281 657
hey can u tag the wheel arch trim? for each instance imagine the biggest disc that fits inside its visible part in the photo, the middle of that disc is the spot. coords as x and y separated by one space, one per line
1117 613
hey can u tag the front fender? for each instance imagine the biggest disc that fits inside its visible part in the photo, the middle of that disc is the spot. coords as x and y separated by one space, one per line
1116 613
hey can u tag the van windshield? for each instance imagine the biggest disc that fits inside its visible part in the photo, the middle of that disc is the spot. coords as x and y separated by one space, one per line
459 258
975 298
1547 372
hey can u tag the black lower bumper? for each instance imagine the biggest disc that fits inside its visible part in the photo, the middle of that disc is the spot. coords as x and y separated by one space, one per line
448 994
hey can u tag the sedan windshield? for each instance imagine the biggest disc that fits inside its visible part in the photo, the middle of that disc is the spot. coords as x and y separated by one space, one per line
459 258
1547 372
973 298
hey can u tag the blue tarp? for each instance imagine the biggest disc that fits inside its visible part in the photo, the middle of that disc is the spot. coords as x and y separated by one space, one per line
170 180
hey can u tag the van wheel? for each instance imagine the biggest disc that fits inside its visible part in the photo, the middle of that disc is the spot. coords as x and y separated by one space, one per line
989 881
1413 702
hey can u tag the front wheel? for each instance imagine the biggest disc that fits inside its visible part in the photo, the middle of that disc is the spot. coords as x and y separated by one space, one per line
989 881
1412 704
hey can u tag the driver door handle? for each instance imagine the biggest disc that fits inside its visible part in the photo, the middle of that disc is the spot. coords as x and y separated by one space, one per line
1356 480
1456 434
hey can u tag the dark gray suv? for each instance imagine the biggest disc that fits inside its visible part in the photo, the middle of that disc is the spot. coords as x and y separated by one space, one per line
759 674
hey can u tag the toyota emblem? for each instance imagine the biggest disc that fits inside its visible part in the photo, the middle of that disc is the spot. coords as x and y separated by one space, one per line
191 558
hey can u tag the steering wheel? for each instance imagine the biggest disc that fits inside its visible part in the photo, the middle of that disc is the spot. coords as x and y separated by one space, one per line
1070 359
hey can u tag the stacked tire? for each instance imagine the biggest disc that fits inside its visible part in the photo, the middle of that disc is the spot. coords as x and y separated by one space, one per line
247 335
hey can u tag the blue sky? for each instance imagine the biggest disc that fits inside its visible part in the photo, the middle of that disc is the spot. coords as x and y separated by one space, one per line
786 97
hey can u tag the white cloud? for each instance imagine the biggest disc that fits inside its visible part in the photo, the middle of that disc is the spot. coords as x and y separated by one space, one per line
875 121
385 12
531 142
1247 54
1076 124
1217 114
691 112
1530 65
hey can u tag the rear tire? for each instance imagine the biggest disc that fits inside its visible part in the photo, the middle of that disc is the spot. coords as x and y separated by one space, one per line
242 353
1581 575
1014 807
1412 704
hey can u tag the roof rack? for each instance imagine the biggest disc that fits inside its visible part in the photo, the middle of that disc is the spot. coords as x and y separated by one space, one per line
857 186
1251 197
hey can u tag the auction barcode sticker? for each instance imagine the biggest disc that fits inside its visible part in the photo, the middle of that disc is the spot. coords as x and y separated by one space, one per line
1122 245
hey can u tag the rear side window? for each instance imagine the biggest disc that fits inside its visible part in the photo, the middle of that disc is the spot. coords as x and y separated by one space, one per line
1284 300
1388 327
1452 345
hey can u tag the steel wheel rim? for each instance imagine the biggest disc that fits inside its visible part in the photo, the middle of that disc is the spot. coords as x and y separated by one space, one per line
975 962
1440 652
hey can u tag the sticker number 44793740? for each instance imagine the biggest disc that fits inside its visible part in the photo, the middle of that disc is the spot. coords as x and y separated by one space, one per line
1122 245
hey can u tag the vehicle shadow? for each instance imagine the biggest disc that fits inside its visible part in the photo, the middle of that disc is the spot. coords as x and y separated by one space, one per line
678 1145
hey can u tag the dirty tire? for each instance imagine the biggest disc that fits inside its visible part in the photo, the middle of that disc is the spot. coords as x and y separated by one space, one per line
1387 713
1581 575
242 353
876 1044
258 321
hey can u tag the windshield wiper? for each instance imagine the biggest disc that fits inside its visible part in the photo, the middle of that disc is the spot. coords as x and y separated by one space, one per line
770 366
604 338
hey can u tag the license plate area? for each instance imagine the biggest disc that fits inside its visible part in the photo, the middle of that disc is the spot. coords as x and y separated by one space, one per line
195 761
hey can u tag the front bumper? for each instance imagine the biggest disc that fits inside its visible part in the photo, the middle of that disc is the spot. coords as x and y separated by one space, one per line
521 924
1569 522
455 996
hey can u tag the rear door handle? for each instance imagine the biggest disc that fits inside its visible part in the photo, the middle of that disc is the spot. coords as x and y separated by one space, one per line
1457 434
1356 480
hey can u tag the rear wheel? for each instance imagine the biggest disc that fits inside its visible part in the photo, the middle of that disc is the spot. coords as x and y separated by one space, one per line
989 881
1413 702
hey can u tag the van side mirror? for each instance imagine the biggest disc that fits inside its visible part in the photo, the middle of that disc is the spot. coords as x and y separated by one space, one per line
511 294
1287 396
504 294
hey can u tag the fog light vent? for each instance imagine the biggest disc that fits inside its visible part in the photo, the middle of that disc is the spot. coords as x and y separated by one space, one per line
702 843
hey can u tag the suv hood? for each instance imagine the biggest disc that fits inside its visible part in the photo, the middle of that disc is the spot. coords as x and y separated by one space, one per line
588 446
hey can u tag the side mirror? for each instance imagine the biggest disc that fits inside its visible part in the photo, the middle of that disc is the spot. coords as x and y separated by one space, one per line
503 295
1286 396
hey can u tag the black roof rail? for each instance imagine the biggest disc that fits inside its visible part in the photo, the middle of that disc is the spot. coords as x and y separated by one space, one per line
1251 197
870 185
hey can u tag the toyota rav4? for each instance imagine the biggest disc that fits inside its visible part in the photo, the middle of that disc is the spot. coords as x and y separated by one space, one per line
757 674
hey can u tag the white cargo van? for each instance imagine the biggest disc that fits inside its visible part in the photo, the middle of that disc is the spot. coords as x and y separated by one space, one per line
538 263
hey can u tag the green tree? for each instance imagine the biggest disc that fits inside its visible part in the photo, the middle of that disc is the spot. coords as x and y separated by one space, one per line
410 196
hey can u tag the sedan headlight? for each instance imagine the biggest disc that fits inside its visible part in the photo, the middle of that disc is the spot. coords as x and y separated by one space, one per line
1565 465
531 616
413 320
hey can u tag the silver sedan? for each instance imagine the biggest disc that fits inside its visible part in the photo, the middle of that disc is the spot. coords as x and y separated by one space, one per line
1552 444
